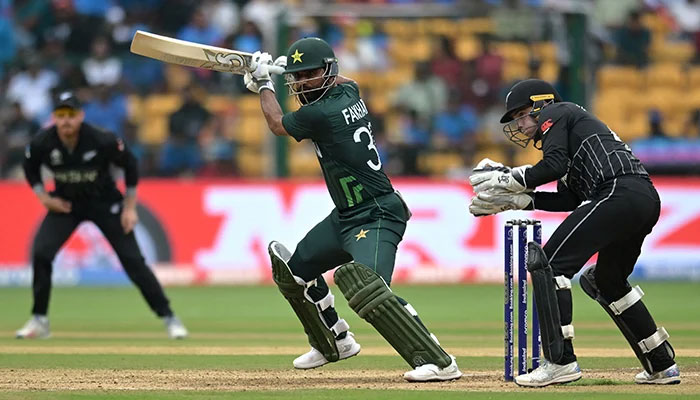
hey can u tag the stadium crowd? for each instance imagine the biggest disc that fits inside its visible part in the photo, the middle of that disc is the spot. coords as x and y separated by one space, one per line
434 85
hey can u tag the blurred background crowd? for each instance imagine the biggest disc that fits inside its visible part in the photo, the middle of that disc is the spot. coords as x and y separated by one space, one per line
433 74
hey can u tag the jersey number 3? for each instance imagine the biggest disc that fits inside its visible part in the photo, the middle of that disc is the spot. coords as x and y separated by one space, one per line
357 136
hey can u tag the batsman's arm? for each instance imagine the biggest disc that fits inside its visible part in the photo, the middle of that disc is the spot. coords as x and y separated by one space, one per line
273 112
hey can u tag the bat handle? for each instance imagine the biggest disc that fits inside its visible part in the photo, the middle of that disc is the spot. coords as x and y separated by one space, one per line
276 69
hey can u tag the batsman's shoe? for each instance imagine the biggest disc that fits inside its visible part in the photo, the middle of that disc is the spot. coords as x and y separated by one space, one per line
347 348
669 376
549 373
176 329
36 328
432 373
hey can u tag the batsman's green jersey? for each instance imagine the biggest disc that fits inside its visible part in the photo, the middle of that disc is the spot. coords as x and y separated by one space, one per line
369 219
340 128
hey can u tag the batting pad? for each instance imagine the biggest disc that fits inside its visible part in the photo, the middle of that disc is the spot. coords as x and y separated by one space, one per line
625 313
293 289
544 290
370 297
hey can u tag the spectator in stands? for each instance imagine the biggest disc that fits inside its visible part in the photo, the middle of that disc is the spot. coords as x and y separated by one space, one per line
444 63
32 89
632 41
8 50
198 30
426 95
223 15
102 68
181 154
415 139
18 131
248 39
484 78
455 127
107 109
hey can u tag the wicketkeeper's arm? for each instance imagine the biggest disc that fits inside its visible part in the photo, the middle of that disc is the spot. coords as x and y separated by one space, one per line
561 200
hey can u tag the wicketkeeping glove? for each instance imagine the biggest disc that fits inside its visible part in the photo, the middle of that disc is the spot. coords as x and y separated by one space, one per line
492 203
501 179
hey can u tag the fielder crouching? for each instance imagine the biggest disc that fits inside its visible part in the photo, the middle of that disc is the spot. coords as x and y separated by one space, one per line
615 206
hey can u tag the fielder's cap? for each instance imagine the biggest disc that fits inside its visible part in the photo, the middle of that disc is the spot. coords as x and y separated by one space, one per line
67 100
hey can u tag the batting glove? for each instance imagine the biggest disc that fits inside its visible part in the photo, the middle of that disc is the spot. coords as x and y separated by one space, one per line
260 66
256 86
500 179
280 61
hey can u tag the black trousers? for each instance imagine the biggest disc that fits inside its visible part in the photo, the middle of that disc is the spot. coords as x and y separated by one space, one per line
613 225
55 231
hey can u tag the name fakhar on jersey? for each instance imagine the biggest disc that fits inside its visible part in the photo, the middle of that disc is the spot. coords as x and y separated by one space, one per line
355 112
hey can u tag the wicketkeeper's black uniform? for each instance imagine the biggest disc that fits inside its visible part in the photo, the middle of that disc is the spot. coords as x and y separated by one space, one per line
614 204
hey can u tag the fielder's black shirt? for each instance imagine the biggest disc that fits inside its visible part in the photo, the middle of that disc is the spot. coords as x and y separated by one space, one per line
83 175
581 152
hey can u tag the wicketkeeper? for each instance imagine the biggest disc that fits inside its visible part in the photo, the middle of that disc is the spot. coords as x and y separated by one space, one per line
362 232
614 207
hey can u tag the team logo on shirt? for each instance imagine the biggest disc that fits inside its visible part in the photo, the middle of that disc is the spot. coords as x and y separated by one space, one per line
56 157
546 125
361 235
120 144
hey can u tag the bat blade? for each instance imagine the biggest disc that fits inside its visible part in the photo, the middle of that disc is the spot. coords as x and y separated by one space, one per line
176 51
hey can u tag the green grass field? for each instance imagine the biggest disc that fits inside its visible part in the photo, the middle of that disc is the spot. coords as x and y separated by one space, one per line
107 344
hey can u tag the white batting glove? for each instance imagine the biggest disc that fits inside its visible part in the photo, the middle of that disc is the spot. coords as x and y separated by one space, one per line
256 86
280 61
492 203
261 63
501 179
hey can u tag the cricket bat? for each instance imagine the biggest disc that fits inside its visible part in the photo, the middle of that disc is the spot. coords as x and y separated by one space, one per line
176 51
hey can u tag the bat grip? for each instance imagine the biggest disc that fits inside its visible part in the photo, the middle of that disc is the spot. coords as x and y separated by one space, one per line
276 69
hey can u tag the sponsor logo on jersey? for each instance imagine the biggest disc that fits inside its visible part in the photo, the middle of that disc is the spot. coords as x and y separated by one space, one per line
89 155
56 157
546 125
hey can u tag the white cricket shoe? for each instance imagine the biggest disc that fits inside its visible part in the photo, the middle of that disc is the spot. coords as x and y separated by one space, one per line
549 373
176 329
669 376
36 328
432 373
347 348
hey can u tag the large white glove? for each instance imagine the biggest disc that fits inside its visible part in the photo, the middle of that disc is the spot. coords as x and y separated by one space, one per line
500 179
487 163
486 203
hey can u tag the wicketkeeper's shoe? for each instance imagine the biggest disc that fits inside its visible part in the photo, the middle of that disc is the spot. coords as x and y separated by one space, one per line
36 328
432 373
347 348
669 376
176 329
549 373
